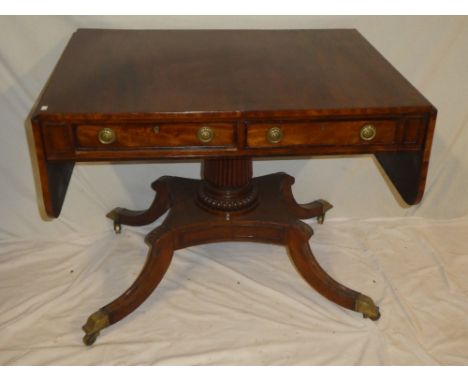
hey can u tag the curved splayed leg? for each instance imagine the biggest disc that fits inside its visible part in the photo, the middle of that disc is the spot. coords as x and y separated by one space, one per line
317 278
157 263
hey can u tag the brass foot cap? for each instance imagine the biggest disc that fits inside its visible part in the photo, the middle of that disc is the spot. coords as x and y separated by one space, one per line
325 205
96 322
114 214
367 307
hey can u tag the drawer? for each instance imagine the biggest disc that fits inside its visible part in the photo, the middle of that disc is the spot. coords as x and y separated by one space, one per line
323 133
154 135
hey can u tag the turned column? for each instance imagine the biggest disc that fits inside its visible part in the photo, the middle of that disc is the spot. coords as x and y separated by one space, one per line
227 185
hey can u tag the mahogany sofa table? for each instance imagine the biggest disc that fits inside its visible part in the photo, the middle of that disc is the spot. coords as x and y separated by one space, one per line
227 96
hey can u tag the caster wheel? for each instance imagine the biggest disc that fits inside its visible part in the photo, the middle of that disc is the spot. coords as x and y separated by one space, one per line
90 339
97 321
117 227
321 219
373 318
325 207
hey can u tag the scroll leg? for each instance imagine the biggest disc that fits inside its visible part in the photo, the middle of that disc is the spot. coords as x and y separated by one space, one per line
317 208
157 263
160 205
316 277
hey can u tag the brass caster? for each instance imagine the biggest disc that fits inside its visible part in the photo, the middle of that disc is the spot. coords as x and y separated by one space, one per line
90 339
325 207
367 307
117 227
96 322
115 217
375 318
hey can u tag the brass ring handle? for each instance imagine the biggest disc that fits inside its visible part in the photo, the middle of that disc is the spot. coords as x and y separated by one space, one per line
368 132
205 134
106 136
274 134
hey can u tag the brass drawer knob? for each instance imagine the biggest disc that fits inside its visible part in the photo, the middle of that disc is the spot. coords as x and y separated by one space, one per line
205 134
106 136
274 135
368 132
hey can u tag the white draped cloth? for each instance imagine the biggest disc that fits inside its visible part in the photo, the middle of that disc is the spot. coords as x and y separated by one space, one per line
239 303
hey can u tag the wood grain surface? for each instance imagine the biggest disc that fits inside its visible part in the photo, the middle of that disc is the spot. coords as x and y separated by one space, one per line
253 72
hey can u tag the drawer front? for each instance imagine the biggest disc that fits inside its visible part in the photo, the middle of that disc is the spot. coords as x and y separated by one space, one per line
322 133
164 135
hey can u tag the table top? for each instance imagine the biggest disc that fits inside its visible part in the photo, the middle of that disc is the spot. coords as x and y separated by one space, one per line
227 73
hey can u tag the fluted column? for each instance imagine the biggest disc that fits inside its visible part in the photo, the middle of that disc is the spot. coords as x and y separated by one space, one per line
227 185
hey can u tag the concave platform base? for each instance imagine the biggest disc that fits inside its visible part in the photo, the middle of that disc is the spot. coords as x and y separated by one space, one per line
274 217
